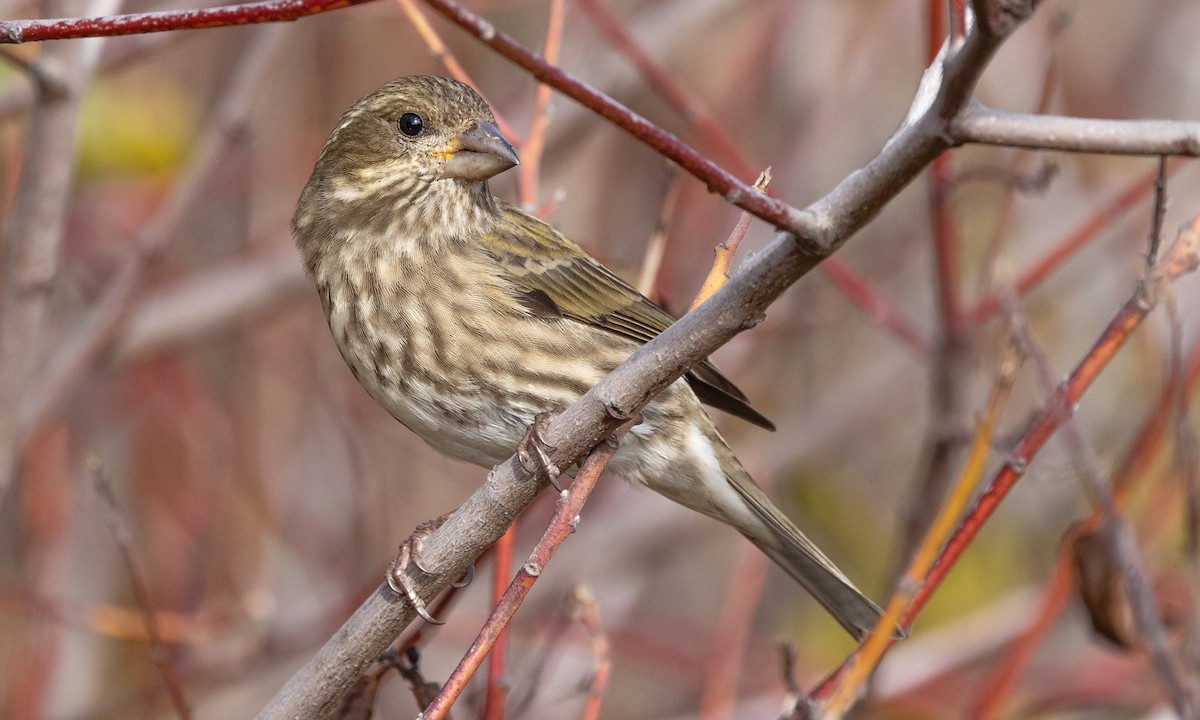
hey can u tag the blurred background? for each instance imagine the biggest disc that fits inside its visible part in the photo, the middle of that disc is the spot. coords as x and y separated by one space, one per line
181 364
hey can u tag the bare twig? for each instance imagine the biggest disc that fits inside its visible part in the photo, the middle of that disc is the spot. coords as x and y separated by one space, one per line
18 31
531 154
718 274
1106 214
1054 598
1160 212
1183 257
584 608
979 124
1115 531
117 527
496 692
566 517
852 682
657 244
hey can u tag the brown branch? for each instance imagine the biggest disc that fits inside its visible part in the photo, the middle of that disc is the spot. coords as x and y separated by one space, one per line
982 125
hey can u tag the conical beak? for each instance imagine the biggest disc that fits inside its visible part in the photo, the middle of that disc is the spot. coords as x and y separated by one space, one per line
479 153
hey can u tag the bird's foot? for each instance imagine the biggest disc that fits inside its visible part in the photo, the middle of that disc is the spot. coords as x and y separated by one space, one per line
410 553
533 449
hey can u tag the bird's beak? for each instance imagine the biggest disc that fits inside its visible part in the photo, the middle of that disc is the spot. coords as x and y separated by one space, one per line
479 153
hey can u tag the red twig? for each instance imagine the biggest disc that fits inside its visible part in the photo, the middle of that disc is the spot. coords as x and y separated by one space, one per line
1182 258
438 49
945 240
728 646
566 516
1056 256
18 31
496 693
1137 459
716 178
854 286
531 154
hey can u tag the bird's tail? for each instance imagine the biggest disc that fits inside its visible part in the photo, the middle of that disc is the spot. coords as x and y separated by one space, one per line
780 539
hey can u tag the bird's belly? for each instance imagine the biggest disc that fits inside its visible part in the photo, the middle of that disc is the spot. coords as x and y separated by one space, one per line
468 381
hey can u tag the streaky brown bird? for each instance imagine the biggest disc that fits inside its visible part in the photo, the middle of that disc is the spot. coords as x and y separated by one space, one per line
466 317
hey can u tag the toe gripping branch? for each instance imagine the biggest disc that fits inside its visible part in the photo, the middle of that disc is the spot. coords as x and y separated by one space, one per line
410 554
534 452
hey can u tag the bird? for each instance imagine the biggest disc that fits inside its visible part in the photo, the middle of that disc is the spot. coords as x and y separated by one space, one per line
467 318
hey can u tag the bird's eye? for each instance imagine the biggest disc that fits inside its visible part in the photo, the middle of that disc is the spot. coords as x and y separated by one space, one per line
411 124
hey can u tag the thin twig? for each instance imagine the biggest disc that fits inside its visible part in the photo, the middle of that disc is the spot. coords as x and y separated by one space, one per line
497 691
1107 213
1115 530
583 604
851 683
718 274
1138 458
19 31
657 244
117 528
529 171
1160 212
1183 257
566 517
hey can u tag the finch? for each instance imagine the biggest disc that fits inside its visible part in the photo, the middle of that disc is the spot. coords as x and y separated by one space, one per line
466 318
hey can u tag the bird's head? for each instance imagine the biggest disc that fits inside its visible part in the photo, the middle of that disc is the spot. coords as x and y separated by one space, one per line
418 150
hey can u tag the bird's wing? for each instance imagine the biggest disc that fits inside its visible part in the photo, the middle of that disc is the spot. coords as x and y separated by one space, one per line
561 280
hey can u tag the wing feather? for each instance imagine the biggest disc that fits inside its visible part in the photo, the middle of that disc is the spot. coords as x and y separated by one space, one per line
542 261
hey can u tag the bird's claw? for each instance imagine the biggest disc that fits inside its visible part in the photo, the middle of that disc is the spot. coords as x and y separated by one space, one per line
532 451
467 578
410 553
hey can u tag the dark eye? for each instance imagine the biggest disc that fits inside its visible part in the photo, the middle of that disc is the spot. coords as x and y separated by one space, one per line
411 124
